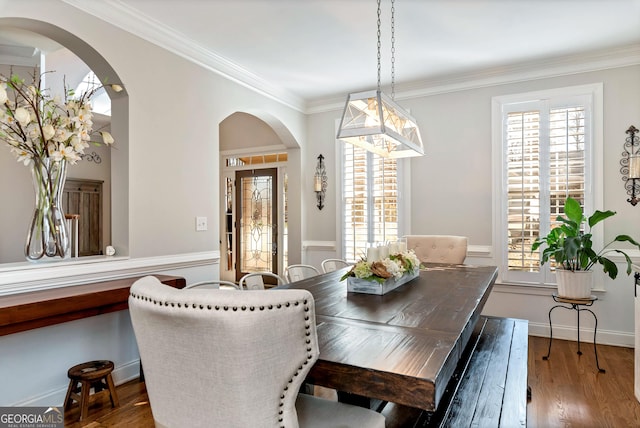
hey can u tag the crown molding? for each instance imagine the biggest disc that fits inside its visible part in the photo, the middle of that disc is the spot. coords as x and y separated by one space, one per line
622 56
133 21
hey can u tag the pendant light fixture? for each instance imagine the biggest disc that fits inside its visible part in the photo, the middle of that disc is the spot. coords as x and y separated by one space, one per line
373 120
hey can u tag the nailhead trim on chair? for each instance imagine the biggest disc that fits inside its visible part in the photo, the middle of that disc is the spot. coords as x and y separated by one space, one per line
252 308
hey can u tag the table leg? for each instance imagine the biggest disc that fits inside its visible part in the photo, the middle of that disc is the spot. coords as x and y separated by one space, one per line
354 399
361 401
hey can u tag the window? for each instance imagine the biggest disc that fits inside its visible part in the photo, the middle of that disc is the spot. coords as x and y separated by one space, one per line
544 151
100 102
369 200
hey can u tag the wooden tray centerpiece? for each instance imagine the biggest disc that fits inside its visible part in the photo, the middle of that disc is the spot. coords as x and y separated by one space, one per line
382 275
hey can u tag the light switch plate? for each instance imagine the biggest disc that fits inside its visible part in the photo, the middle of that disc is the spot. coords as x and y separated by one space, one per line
201 224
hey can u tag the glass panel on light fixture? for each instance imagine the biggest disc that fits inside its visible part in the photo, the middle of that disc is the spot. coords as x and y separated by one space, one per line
373 121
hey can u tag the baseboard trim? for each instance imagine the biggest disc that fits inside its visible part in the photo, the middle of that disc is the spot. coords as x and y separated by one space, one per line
565 332
126 372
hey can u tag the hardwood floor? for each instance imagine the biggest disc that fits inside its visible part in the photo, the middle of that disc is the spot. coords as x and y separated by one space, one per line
567 391
134 410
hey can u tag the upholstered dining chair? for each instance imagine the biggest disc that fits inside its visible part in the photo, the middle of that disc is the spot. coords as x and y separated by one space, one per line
255 280
331 265
438 248
299 272
215 285
218 359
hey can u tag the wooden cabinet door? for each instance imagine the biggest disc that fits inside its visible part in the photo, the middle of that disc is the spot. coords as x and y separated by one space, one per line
84 197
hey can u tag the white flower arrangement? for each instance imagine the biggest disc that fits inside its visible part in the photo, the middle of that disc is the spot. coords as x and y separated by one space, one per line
395 265
36 126
46 133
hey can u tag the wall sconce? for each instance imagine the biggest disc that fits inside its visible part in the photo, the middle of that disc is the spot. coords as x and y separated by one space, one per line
631 165
320 181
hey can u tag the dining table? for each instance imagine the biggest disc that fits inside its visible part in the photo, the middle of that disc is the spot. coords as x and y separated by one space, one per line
401 347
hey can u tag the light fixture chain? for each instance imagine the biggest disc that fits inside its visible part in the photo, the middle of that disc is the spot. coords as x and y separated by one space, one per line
393 51
379 45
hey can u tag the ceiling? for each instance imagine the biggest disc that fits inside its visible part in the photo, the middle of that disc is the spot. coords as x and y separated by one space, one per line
315 49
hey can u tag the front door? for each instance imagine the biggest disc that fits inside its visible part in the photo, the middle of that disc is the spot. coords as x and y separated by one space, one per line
257 221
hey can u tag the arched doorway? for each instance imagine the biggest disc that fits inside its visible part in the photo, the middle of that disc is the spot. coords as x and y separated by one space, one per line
260 224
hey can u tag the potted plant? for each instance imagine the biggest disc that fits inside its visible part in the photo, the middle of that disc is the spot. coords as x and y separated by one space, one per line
571 247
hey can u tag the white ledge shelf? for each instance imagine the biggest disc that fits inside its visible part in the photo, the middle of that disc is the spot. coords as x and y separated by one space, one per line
23 277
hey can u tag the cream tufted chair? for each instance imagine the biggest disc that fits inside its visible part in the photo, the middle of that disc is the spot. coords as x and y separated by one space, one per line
438 248
218 359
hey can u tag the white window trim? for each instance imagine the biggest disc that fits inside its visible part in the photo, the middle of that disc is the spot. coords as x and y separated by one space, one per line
594 166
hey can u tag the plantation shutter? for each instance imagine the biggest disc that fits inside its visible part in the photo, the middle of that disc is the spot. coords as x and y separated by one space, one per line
523 189
566 158
355 201
385 199
370 200
545 163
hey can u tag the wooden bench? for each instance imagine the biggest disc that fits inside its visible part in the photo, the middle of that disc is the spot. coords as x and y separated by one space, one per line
489 386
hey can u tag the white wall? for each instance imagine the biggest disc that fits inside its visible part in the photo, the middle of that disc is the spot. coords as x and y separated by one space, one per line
16 190
175 107
452 191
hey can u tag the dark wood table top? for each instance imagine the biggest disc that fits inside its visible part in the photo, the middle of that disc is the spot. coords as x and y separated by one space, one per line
403 346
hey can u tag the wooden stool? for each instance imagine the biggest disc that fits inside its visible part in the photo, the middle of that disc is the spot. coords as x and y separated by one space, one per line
96 374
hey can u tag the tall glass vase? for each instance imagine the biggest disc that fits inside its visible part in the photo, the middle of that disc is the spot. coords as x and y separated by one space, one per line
48 237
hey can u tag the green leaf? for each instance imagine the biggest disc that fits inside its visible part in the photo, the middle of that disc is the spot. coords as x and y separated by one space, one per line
573 210
598 216
627 258
609 267
546 254
627 238
536 245
555 235
569 228
16 80
375 278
